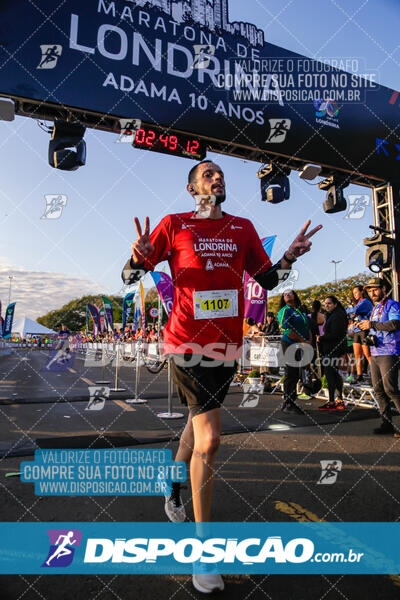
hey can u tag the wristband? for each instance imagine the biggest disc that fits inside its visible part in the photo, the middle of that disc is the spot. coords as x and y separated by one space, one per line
288 259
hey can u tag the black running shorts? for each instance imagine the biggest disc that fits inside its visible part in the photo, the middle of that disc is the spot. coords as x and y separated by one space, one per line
202 387
359 338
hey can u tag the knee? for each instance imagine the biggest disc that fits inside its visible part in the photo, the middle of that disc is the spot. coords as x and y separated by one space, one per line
208 444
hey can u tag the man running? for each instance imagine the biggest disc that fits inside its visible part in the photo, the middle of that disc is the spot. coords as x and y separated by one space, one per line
208 250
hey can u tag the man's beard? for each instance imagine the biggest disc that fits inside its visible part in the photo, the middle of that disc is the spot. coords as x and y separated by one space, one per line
220 198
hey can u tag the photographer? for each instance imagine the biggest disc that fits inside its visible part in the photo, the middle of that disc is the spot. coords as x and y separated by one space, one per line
384 341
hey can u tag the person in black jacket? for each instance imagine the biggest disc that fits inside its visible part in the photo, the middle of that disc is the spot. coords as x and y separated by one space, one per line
272 326
334 345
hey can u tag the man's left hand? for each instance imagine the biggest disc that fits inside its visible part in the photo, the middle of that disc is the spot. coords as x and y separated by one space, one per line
364 325
301 244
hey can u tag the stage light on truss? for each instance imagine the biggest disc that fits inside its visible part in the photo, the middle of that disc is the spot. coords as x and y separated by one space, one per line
379 253
67 148
274 181
335 200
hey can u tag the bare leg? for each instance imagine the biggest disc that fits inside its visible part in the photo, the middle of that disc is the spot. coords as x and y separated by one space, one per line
186 442
207 431
358 354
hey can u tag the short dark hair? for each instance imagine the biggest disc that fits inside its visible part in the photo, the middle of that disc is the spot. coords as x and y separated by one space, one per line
192 172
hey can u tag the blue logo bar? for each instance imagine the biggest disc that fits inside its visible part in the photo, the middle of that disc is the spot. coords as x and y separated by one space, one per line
172 548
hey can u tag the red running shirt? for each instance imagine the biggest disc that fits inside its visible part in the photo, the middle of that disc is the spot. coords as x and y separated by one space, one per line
205 255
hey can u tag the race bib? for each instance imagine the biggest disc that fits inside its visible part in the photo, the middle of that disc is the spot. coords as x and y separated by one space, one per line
215 304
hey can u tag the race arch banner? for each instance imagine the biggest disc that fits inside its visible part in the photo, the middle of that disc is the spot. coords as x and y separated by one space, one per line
187 66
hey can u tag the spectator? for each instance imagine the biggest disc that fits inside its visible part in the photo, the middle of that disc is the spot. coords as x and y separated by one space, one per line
64 332
333 346
316 317
384 337
272 326
295 329
361 310
253 329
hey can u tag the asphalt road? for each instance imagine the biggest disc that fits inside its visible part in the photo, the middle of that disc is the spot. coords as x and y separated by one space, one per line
263 474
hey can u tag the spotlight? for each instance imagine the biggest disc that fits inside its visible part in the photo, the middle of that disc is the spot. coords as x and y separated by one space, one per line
66 136
335 200
379 253
275 186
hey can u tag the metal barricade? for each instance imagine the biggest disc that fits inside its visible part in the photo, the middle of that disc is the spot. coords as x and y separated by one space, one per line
260 351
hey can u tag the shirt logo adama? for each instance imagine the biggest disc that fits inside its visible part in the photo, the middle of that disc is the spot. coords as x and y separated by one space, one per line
209 265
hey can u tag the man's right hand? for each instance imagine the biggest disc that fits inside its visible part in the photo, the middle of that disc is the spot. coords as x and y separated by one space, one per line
142 247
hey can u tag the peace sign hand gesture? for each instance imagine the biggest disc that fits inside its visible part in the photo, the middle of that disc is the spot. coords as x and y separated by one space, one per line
301 244
142 247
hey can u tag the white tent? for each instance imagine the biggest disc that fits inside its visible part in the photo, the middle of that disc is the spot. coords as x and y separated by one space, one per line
24 326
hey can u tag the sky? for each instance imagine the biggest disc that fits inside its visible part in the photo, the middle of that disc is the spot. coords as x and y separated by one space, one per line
54 260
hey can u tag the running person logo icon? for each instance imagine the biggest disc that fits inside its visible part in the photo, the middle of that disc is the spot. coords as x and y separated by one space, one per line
279 129
128 130
61 551
330 470
50 55
55 204
98 396
358 204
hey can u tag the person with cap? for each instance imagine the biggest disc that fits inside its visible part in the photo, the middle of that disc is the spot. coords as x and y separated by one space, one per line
384 338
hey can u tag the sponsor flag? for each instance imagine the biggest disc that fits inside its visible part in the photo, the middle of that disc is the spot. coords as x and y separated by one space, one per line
87 319
255 297
8 320
136 316
108 309
102 316
268 243
165 289
95 314
142 306
127 308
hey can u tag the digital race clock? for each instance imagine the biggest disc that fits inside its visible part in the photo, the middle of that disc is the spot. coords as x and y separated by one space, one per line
176 144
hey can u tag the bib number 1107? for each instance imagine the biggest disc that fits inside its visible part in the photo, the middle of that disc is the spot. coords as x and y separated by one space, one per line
215 304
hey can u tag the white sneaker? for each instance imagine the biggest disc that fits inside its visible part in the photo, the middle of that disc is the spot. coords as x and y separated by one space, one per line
174 509
207 582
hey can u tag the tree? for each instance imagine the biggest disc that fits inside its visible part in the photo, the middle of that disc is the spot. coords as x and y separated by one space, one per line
73 314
